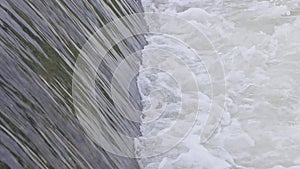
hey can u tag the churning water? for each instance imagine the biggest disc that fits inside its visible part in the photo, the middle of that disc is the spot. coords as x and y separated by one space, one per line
217 82
258 43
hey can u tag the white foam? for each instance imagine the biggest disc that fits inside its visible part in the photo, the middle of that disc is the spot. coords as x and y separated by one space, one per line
260 45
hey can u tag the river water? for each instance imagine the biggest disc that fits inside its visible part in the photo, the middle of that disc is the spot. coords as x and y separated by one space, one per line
221 91
258 44
40 42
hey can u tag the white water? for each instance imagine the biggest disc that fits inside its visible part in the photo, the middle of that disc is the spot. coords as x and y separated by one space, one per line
259 43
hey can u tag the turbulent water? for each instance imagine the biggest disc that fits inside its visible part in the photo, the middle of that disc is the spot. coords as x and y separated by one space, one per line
218 84
258 43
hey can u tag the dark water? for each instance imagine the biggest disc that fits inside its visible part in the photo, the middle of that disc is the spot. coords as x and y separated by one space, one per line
40 41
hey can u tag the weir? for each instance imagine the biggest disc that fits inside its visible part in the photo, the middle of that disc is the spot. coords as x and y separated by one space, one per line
40 43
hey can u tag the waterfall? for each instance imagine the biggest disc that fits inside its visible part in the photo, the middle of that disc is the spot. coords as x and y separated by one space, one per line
41 42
